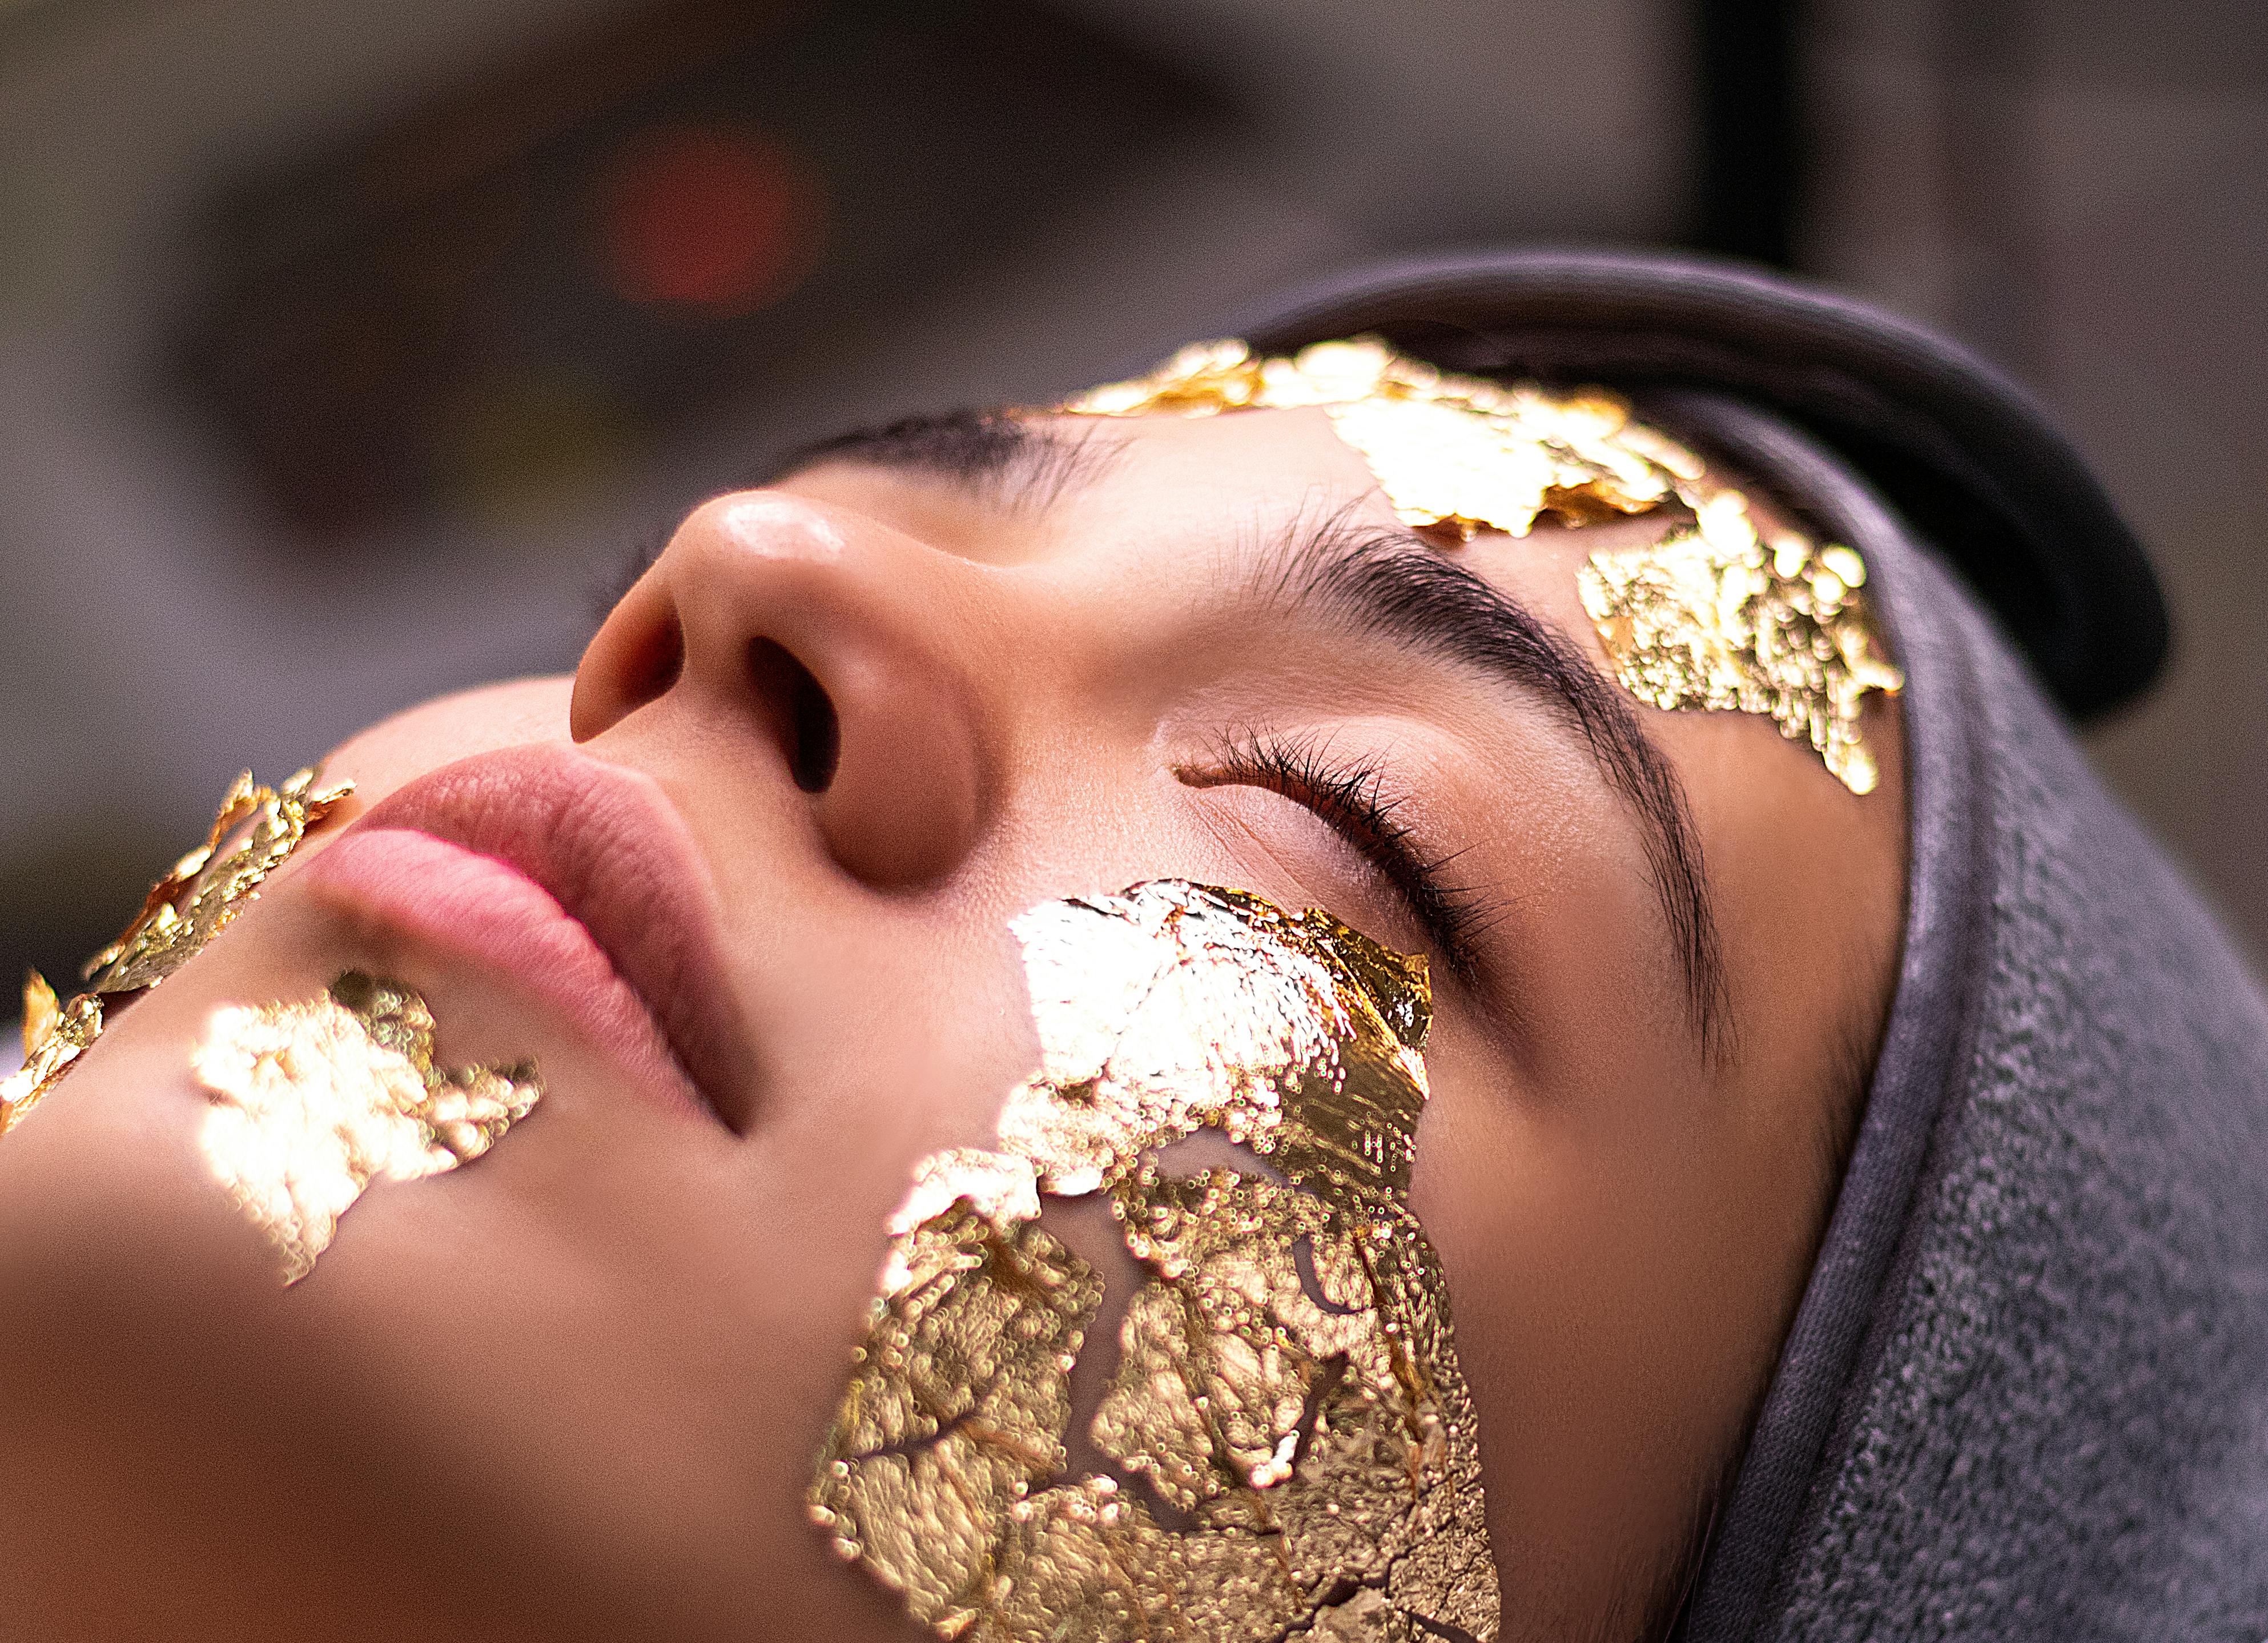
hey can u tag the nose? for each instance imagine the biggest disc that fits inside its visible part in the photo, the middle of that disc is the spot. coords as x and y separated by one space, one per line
823 634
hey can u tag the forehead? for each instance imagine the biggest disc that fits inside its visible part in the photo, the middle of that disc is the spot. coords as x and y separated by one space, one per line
1245 485
1283 457
1118 489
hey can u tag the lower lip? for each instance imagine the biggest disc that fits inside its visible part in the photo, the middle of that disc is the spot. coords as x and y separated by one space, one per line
481 910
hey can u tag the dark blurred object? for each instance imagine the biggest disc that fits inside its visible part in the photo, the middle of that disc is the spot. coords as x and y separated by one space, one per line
533 281
1750 138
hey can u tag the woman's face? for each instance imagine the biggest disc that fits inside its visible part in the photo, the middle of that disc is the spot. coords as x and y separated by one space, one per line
841 734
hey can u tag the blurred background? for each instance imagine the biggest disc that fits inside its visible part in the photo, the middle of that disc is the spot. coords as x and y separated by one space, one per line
348 350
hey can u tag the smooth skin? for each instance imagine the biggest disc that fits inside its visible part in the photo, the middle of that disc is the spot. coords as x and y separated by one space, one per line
574 1390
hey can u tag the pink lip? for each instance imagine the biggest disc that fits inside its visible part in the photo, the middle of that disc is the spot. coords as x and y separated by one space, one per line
580 879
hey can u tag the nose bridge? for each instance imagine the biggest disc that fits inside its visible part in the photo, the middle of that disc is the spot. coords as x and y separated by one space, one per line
854 647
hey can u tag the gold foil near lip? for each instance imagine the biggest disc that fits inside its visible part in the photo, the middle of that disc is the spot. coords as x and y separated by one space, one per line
309 1104
54 1035
255 831
1286 1442
1707 618
213 883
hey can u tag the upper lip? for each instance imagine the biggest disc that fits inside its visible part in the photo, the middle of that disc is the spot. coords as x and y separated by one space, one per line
611 850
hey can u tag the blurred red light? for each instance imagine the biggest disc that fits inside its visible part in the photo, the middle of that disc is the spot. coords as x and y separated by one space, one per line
717 219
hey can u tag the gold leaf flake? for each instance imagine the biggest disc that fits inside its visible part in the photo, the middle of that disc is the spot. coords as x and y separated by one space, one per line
1453 452
312 1103
1440 465
257 828
1709 618
54 1035
1286 1438
41 1012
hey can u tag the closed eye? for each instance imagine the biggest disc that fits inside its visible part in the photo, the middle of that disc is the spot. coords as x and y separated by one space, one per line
1354 798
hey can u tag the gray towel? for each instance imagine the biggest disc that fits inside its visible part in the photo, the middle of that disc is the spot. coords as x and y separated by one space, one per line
2026 1395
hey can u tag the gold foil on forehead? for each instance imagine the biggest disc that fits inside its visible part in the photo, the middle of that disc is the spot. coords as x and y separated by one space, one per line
1707 618
309 1104
1712 618
1456 453
1282 1443
257 829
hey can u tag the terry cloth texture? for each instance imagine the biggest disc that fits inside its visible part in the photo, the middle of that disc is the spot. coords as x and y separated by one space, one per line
2026 1394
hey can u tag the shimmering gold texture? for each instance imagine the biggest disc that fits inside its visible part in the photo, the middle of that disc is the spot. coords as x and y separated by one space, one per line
1707 618
1711 618
54 1035
1459 454
1283 1443
312 1103
258 827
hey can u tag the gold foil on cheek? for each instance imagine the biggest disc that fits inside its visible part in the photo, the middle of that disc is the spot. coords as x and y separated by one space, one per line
312 1103
257 829
1282 1441
1712 618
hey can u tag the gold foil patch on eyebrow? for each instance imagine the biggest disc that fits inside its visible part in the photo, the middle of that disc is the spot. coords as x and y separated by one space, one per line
309 1104
257 829
1282 1442
1706 618
1712 618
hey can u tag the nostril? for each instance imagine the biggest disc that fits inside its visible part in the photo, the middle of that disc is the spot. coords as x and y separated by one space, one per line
801 713
818 738
653 667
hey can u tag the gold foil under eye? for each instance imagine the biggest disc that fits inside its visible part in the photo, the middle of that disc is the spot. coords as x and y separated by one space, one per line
257 828
1288 1443
312 1103
1710 617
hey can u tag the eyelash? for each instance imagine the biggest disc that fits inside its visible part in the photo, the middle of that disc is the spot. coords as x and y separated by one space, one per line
1353 799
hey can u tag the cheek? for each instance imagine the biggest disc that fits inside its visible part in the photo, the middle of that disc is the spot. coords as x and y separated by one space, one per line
611 1348
1616 1268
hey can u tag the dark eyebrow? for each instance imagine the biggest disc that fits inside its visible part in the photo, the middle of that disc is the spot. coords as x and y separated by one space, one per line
1394 585
1001 457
